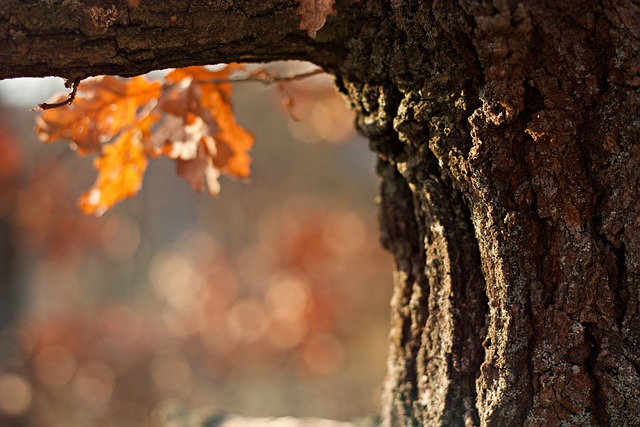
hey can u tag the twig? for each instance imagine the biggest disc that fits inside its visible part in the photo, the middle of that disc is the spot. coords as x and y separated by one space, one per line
264 77
260 76
68 101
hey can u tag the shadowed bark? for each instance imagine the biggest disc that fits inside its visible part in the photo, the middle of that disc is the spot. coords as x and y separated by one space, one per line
507 137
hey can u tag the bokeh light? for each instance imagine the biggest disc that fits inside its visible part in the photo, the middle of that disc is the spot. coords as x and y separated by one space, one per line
323 354
55 365
171 373
15 394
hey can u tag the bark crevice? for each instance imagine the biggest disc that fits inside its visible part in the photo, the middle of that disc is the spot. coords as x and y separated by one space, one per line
590 368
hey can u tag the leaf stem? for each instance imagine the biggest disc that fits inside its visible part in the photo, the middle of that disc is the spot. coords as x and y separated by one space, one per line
68 101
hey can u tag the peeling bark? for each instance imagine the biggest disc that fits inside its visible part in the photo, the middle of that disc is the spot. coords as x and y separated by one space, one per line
507 136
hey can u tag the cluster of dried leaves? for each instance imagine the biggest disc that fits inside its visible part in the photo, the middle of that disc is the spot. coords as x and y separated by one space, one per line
189 118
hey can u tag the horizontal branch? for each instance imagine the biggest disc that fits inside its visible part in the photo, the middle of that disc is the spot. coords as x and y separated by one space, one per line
81 38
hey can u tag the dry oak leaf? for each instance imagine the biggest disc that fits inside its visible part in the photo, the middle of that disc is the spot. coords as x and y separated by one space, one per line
199 170
121 168
202 96
314 14
187 138
193 149
103 108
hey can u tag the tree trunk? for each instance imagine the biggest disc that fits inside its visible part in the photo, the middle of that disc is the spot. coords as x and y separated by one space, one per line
510 174
507 139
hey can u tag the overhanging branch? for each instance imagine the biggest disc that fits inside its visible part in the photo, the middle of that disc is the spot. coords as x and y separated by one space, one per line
81 38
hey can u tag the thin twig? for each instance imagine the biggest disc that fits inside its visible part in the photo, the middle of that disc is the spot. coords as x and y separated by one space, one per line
264 77
260 76
68 101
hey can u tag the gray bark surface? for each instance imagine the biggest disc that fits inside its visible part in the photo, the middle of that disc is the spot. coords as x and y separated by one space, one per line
507 135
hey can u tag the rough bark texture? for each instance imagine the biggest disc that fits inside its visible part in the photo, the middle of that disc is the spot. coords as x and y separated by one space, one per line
509 159
507 135
80 38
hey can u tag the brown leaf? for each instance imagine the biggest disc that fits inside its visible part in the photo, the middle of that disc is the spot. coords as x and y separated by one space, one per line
185 142
199 170
193 149
314 14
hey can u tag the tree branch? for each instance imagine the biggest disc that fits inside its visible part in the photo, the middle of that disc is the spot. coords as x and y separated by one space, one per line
81 38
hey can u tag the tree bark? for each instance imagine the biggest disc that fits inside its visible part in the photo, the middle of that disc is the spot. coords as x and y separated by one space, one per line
81 38
510 165
507 139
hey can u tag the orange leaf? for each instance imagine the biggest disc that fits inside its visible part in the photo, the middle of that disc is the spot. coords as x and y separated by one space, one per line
232 142
314 14
103 107
206 77
121 169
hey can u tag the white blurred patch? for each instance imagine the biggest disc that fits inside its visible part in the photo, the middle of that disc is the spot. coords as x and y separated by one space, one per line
29 92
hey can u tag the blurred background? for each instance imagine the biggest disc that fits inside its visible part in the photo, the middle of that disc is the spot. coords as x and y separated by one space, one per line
270 300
